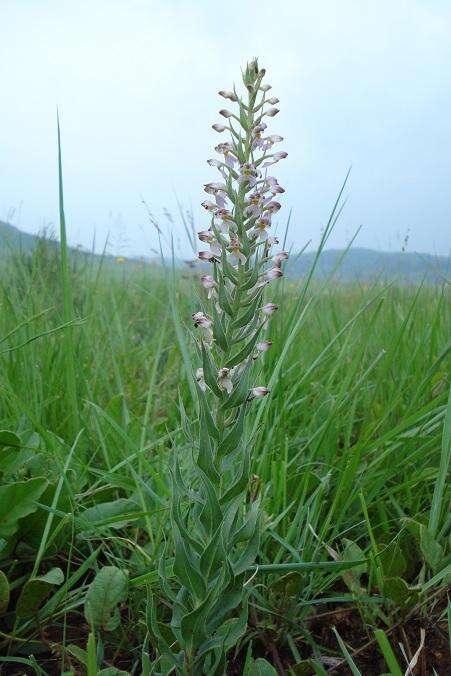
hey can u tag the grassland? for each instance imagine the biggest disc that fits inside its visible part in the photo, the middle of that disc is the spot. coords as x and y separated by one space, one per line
352 452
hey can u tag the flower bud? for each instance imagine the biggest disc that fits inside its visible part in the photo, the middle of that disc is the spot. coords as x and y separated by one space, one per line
271 112
228 95
272 100
272 207
209 206
259 391
279 156
206 256
279 257
264 345
225 113
265 87
200 319
269 309
219 127
224 382
273 273
200 379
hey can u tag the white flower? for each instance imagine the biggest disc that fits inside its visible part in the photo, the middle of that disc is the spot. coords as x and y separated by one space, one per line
219 127
260 391
224 382
228 95
209 284
200 379
279 257
264 345
273 273
205 323
269 309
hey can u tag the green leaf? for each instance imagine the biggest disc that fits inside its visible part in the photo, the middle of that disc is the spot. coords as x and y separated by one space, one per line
35 590
351 577
263 668
431 549
4 592
398 591
9 439
106 591
392 559
16 501
112 671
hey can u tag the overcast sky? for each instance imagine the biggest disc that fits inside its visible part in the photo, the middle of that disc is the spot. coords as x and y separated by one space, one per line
365 83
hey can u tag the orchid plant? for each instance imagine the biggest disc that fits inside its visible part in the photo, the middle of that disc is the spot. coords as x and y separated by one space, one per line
215 518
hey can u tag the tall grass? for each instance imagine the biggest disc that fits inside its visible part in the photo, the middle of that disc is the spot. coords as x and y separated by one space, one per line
351 457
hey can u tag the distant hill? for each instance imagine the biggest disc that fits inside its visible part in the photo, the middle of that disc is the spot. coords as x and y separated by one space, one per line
367 264
12 239
357 264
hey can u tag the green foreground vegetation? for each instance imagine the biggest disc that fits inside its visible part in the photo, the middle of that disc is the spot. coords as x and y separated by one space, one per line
351 458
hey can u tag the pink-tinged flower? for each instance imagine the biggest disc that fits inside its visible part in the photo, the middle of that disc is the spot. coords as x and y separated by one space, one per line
271 112
273 273
269 309
208 236
209 284
203 320
224 381
259 392
272 207
209 206
273 100
219 127
264 345
228 151
200 379
226 219
235 250
220 167
205 323
254 204
225 113
213 188
272 159
257 135
228 95
273 185
265 87
272 240
248 174
279 257
206 256
261 226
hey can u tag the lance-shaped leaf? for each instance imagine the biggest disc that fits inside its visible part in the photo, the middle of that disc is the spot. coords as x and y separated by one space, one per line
211 513
192 625
210 371
218 330
4 592
234 436
223 298
250 552
248 315
212 555
206 414
240 485
186 567
245 532
246 351
205 454
240 392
